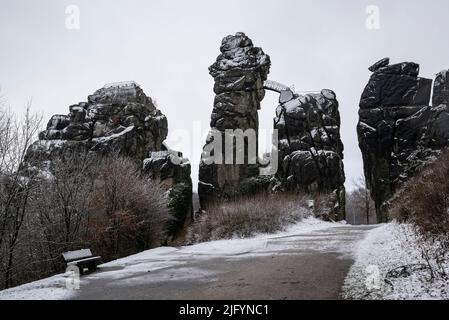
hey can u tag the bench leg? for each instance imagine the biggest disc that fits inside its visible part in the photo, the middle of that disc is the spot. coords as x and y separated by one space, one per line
92 266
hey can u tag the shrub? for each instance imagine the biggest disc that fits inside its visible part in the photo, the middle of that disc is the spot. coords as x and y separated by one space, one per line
128 213
105 204
424 199
245 217
180 202
423 202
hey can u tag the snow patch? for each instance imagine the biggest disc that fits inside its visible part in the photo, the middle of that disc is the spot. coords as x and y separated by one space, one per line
121 84
386 248
53 288
114 136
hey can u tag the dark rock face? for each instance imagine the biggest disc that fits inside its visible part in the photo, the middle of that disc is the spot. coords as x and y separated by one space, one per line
441 89
398 131
239 73
173 172
118 118
379 64
393 85
310 148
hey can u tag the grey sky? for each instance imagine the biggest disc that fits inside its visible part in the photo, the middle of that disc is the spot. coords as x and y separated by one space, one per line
166 46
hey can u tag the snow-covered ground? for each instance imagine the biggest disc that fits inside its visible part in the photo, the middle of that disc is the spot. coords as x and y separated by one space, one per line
386 248
53 288
377 251
138 267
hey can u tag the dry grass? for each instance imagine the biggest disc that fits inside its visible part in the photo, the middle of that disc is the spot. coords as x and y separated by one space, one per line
245 217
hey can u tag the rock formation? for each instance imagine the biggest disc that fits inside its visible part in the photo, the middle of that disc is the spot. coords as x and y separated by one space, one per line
118 118
239 73
398 131
172 171
441 89
310 148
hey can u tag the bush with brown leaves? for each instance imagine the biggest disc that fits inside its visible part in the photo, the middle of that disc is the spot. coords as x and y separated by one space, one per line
423 202
424 199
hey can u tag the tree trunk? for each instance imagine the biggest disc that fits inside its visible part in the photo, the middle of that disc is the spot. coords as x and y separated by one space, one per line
8 269
367 207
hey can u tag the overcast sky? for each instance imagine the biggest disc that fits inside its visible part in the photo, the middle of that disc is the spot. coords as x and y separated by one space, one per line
166 46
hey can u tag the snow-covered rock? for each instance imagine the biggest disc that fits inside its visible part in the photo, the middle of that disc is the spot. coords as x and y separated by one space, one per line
239 73
117 118
398 131
310 147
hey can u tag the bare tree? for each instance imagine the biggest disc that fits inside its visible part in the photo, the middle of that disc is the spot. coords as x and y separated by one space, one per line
16 135
60 204
129 212
359 205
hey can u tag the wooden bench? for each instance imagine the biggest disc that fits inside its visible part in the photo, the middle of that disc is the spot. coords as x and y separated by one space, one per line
82 259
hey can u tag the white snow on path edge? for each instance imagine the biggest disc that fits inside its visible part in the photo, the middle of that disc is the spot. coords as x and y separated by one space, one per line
54 288
385 248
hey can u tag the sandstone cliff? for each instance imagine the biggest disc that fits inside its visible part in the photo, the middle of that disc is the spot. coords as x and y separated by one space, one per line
398 130
239 73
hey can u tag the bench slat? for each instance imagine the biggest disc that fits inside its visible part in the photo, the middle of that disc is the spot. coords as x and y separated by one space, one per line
77 255
74 263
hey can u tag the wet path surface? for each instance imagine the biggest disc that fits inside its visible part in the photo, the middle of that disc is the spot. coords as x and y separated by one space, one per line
309 265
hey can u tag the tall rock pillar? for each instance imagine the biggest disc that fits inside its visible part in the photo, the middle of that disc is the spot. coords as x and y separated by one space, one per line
398 130
239 73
